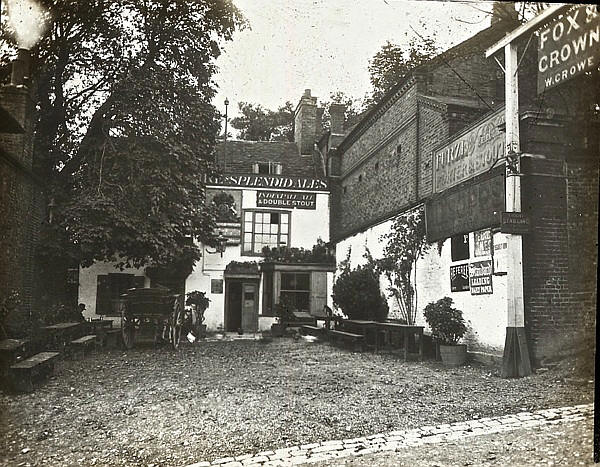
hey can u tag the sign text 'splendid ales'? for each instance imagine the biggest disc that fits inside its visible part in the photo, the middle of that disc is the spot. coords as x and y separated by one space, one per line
269 181
568 46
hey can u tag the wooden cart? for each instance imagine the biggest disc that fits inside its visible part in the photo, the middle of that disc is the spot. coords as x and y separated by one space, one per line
155 307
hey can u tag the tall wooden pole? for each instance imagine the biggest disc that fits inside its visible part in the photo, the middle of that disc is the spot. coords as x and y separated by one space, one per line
516 360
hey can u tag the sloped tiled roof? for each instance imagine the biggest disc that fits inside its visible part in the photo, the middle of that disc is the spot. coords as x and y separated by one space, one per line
237 157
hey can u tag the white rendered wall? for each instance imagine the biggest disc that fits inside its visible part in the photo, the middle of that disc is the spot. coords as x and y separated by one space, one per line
306 226
88 283
485 314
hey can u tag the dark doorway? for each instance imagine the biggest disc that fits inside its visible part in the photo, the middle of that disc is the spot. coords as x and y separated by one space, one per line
233 318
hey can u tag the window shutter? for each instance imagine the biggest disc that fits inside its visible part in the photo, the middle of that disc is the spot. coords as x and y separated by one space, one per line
318 292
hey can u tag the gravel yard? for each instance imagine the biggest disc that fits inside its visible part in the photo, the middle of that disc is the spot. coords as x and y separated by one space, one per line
213 399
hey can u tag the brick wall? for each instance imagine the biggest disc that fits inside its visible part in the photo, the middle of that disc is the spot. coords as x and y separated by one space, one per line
22 208
560 193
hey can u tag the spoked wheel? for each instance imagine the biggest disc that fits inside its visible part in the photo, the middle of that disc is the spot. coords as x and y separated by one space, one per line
127 327
176 323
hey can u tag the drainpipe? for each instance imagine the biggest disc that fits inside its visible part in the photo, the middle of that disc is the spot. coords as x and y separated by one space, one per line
417 150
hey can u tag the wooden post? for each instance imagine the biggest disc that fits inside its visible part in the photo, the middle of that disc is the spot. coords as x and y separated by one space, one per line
516 360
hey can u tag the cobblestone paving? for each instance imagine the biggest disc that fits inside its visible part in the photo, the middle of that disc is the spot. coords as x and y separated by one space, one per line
397 440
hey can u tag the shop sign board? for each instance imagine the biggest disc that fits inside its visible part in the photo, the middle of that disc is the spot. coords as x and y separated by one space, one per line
568 46
500 256
483 242
472 207
216 286
269 181
459 278
286 199
515 223
480 277
470 154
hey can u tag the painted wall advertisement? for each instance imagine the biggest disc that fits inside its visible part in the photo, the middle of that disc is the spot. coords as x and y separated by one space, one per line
483 242
459 278
568 46
480 277
470 154
283 199
269 181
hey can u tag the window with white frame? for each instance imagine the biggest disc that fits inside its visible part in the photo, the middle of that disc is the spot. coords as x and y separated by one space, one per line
295 290
265 228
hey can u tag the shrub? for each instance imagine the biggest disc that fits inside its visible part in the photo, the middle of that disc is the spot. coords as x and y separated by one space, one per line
446 323
357 293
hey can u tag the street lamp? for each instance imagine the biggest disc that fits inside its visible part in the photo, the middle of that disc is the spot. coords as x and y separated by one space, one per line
220 246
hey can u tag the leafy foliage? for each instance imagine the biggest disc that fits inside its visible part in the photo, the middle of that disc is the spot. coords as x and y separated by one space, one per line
259 124
446 323
406 243
224 207
199 301
125 130
393 62
357 293
283 254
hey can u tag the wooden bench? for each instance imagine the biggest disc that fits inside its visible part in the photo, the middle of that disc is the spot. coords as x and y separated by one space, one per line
33 369
312 330
83 345
357 340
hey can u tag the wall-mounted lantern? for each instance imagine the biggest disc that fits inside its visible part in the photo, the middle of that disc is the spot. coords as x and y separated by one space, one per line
220 246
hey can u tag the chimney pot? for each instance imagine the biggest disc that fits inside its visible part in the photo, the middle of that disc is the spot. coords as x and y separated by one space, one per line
20 68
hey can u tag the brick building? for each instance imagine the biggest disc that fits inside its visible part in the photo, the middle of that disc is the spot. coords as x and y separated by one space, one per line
22 197
436 140
269 194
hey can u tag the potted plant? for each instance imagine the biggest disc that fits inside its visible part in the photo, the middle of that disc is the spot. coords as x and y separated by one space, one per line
199 303
448 327
284 313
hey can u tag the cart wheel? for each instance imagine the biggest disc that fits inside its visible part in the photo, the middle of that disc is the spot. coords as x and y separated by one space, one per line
176 323
127 328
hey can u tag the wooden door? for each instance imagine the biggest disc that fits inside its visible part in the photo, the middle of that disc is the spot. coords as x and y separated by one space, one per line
249 307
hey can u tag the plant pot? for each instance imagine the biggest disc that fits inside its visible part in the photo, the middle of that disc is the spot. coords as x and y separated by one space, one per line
277 329
453 355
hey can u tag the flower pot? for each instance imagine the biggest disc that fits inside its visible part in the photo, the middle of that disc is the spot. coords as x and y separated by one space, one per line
453 355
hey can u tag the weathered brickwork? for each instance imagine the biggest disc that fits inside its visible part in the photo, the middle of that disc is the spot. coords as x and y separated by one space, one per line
559 256
22 208
386 161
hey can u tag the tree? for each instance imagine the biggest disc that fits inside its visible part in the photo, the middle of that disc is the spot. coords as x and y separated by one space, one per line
406 243
393 62
259 124
124 129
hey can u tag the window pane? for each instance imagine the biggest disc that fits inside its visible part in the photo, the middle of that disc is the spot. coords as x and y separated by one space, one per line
288 281
258 247
274 218
302 282
247 227
247 246
274 228
247 237
284 228
259 217
284 217
248 216
259 228
283 240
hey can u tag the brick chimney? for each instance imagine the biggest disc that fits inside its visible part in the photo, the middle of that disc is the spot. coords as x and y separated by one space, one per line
305 123
337 113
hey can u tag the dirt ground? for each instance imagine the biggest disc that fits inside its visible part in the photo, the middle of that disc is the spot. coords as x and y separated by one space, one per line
156 407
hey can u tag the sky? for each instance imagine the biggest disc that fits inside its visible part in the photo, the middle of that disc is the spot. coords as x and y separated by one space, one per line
325 45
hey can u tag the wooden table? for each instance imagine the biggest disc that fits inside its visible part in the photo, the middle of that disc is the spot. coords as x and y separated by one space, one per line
365 327
406 332
59 335
100 328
